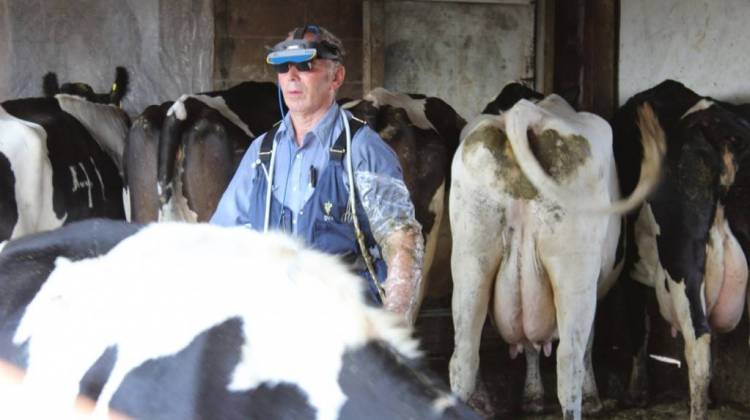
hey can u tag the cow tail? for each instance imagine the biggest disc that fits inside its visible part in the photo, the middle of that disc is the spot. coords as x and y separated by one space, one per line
517 121
120 86
169 143
50 86
654 147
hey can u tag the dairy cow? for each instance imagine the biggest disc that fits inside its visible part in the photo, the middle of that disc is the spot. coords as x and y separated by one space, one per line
534 197
181 155
60 161
210 323
690 239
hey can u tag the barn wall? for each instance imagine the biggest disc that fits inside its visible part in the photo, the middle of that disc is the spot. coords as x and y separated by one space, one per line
698 42
166 45
245 28
462 52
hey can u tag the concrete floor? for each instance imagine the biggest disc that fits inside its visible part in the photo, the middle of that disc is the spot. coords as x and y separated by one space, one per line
503 377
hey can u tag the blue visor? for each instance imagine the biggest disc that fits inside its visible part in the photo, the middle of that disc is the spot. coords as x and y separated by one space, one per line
299 51
292 51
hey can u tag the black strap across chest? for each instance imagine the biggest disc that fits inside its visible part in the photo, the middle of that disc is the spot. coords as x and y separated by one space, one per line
336 152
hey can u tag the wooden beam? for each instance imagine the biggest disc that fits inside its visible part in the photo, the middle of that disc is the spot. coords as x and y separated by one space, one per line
586 43
544 44
510 2
373 44
600 44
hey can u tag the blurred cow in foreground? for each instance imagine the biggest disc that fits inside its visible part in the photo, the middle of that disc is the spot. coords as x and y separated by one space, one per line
193 321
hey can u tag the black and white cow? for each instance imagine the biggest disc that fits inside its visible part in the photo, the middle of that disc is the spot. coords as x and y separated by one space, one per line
534 197
182 155
119 89
192 321
60 161
424 132
690 240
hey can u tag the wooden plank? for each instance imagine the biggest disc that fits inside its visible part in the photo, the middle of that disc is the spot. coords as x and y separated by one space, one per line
373 44
600 43
568 51
545 46
586 54
509 2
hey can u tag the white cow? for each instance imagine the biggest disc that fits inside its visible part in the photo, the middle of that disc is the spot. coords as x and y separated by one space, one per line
533 201
60 161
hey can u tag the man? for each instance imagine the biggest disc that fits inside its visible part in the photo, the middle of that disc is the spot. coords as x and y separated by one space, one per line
310 164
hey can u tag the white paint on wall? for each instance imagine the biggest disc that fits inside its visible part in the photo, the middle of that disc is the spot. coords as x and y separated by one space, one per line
463 53
166 46
697 42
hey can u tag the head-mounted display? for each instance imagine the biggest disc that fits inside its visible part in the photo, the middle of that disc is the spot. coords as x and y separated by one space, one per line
298 50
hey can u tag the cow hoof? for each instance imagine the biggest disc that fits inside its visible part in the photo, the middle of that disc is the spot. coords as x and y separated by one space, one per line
637 399
592 406
533 405
481 403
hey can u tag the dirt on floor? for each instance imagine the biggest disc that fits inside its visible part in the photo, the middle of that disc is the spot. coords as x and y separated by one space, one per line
502 378
663 411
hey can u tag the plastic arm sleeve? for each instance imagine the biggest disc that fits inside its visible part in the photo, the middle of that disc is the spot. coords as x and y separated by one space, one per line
390 213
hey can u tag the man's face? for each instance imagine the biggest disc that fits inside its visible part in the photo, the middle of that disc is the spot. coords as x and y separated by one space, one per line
306 92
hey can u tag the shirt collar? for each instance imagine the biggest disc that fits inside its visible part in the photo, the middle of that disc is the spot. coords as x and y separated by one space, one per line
322 130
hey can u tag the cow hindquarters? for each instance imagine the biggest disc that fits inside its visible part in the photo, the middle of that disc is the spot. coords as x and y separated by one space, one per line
209 165
141 152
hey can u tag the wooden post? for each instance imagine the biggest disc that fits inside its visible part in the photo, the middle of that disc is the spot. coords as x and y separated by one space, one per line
600 44
545 46
373 44
585 57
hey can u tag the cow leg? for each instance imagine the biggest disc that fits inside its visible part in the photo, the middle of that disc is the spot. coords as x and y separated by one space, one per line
698 356
474 263
638 323
471 292
697 348
591 402
575 301
533 390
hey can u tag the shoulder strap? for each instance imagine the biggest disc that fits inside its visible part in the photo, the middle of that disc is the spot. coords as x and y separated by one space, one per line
338 150
266 148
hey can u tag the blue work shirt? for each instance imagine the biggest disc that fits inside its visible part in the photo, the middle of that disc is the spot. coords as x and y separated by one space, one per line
292 185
